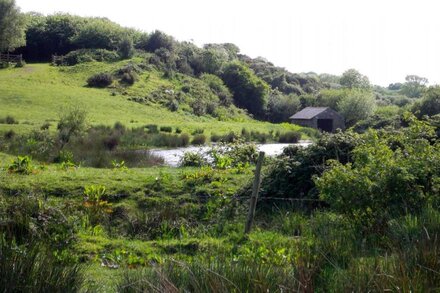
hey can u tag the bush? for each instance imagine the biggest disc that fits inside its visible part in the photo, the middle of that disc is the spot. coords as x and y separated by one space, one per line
10 134
178 130
129 78
192 159
289 137
100 80
8 120
391 175
152 128
199 139
291 174
185 139
168 129
87 55
125 48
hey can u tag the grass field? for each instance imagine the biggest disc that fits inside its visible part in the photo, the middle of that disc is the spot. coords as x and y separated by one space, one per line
39 93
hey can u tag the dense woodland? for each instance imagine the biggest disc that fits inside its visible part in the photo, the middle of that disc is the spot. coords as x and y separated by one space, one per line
86 207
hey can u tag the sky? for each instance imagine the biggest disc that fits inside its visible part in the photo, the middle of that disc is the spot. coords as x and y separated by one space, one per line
383 39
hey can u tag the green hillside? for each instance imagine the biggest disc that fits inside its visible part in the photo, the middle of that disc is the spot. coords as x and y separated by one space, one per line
38 93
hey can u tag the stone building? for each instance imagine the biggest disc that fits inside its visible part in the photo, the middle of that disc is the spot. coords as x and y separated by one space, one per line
322 118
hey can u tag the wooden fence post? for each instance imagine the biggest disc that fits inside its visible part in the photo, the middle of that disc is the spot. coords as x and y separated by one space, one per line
255 191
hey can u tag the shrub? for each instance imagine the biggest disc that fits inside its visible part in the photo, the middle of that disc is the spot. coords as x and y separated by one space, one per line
390 176
192 159
289 137
168 129
100 80
178 130
87 55
125 48
291 174
198 139
185 139
152 128
8 120
21 165
129 78
10 134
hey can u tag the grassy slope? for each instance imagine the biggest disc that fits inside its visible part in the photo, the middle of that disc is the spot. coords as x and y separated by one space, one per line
39 92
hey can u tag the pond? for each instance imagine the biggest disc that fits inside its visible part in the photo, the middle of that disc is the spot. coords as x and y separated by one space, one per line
172 156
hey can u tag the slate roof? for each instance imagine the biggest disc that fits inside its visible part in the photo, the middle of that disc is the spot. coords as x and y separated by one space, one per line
309 113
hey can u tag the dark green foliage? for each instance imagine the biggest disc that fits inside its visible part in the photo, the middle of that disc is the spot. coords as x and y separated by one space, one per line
158 40
389 177
12 26
152 128
87 55
10 134
291 175
430 103
100 80
218 87
281 107
125 48
281 79
198 139
168 129
250 92
289 137
379 120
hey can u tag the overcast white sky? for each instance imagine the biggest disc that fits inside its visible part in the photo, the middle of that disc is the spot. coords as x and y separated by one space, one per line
383 39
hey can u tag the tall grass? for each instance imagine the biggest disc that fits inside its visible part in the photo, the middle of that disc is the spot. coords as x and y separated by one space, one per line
215 276
32 268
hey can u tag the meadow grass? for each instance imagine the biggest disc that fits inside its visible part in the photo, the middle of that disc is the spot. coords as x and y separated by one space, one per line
39 93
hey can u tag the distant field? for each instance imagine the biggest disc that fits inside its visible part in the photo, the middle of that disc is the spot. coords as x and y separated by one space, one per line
38 93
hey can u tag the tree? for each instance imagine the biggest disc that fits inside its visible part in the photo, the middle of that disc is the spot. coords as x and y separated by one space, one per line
125 48
98 33
430 103
356 106
280 107
12 26
353 79
414 86
72 123
158 40
250 92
